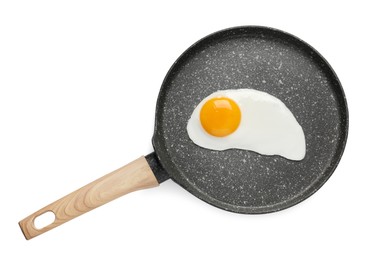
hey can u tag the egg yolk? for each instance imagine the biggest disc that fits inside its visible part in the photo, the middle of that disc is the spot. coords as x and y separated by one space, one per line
220 116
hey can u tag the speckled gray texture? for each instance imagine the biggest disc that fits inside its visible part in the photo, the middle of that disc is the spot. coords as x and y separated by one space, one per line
268 60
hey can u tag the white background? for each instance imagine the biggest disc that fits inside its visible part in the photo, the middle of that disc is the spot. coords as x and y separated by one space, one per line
78 87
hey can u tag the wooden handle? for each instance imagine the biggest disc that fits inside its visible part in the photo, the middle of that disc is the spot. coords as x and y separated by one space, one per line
131 177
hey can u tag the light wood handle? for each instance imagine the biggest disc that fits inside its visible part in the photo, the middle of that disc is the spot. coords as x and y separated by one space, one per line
131 177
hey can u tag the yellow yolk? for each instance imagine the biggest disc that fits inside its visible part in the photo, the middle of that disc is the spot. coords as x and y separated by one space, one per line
220 116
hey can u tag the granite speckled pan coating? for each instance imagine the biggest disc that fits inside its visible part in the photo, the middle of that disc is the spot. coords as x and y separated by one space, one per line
256 58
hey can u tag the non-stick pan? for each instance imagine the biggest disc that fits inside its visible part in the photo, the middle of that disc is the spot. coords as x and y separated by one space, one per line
240 181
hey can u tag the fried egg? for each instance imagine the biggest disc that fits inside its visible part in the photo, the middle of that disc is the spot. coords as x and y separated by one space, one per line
247 119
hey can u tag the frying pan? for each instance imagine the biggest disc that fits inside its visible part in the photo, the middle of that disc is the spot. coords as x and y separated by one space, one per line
236 180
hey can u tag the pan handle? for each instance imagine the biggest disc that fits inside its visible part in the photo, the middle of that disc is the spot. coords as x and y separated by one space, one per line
131 177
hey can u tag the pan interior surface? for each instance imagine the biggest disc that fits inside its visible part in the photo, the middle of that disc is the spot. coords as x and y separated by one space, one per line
268 60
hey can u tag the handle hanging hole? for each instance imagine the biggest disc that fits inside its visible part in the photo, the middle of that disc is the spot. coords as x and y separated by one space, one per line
44 220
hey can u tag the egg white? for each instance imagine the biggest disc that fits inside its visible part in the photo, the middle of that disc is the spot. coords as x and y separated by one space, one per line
267 126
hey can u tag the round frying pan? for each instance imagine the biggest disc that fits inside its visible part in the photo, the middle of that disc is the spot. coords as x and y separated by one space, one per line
236 180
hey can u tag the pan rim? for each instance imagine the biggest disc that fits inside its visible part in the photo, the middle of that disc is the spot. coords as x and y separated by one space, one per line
173 171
